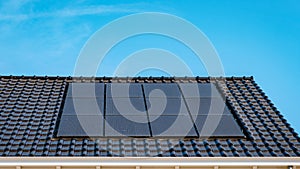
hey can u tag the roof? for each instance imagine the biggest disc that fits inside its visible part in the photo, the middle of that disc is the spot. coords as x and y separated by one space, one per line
30 107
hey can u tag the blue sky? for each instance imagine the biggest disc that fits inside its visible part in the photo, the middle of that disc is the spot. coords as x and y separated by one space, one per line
259 38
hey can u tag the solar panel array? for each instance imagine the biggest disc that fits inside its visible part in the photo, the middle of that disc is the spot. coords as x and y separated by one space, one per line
146 110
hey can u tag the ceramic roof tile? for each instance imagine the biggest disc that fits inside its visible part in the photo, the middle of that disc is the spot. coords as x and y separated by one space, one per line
30 109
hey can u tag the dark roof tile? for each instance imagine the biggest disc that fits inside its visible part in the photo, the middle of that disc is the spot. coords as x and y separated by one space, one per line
30 108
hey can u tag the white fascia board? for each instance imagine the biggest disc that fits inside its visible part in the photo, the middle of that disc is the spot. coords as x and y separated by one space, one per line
150 161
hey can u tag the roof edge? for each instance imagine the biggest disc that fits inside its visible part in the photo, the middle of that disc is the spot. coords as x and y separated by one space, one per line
149 161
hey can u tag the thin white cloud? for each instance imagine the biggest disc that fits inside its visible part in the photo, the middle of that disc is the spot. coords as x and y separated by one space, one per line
94 10
15 17
73 12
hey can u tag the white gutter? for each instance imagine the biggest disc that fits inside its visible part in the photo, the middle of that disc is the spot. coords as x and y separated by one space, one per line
149 161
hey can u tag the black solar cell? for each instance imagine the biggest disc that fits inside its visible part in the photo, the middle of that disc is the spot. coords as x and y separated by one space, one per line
172 126
218 126
83 106
132 126
124 90
166 106
125 106
161 90
86 90
196 90
207 105
82 126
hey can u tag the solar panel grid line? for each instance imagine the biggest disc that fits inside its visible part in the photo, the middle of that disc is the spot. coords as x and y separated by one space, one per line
211 110
171 114
184 99
105 108
86 100
145 103
128 106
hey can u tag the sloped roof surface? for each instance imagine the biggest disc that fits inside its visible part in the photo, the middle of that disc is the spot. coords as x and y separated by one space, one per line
30 109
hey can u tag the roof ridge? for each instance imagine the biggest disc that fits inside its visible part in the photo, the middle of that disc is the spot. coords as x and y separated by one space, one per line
129 77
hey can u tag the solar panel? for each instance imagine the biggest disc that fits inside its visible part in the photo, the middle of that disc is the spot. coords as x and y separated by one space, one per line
83 111
124 90
207 105
166 106
172 126
218 126
86 90
132 126
196 90
161 90
170 111
125 106
80 126
83 106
